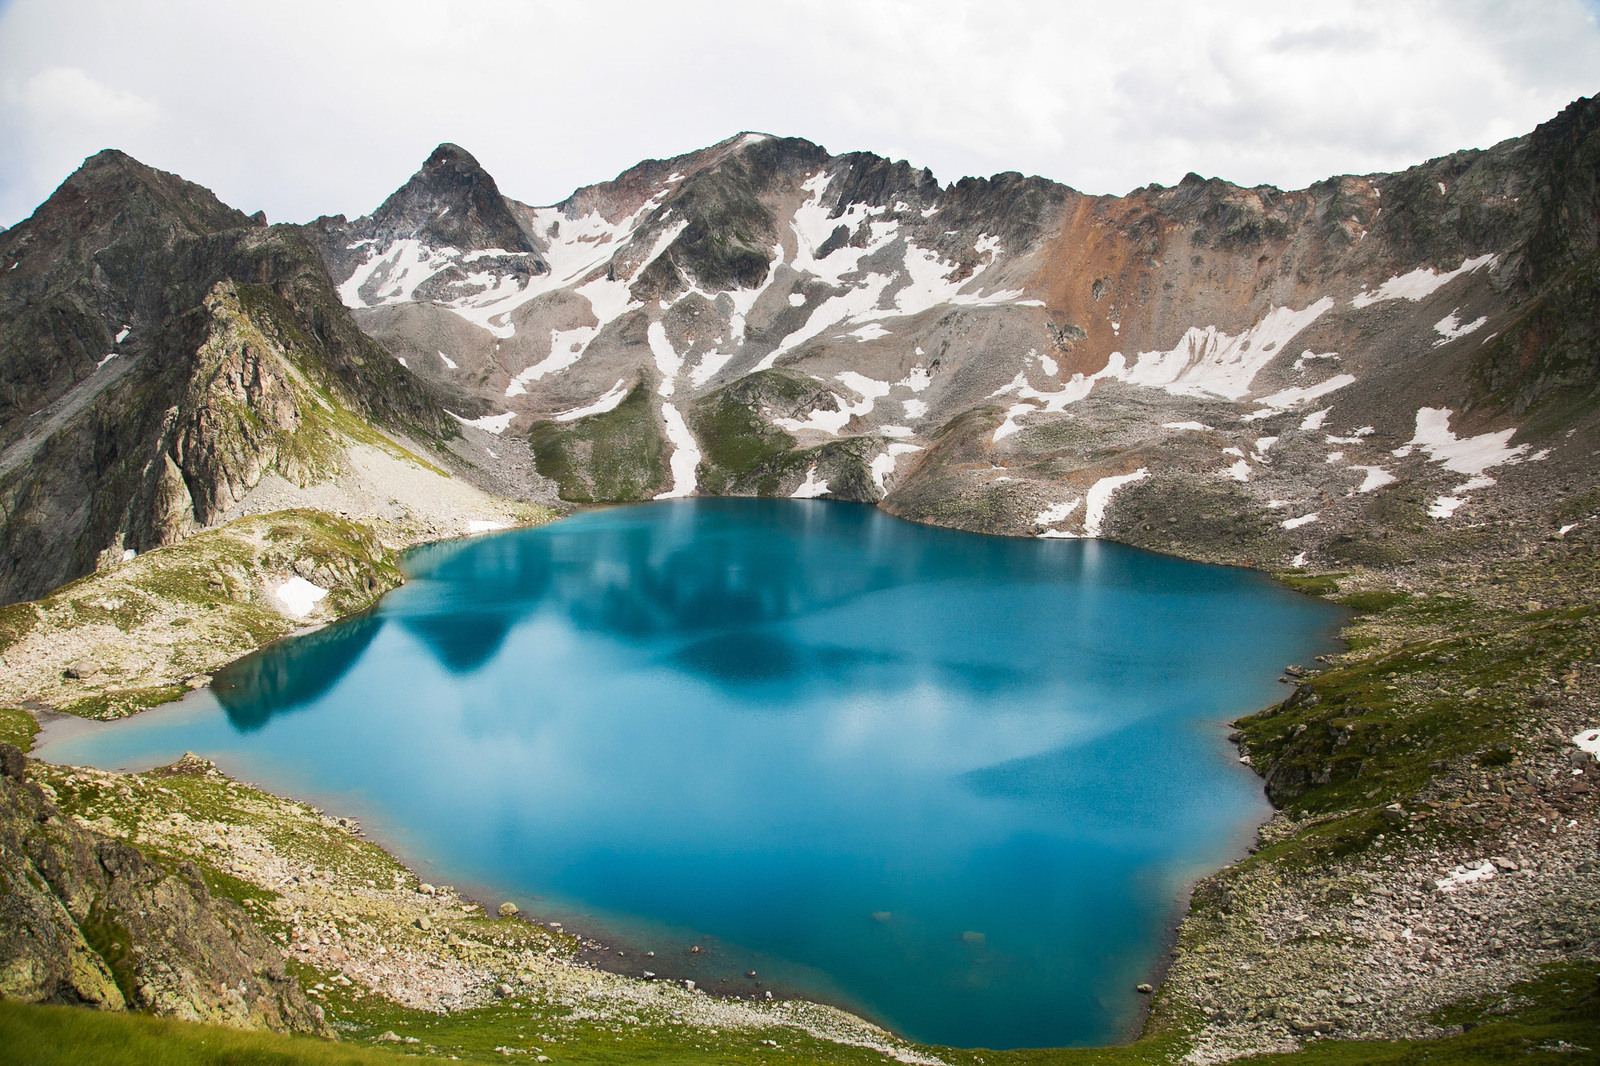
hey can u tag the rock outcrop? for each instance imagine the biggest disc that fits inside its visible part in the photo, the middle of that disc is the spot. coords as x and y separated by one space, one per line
160 352
87 919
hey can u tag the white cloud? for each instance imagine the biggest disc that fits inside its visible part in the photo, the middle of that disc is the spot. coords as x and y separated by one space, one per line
310 106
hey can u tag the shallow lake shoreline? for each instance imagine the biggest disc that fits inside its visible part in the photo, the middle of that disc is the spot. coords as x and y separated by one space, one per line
1212 1010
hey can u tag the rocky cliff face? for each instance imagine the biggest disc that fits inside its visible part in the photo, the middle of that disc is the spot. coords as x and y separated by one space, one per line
1248 373
87 919
160 352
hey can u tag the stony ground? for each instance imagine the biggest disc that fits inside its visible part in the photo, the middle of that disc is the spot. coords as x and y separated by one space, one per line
1437 838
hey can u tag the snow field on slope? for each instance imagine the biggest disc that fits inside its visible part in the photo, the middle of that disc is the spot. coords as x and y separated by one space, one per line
685 455
869 389
1209 361
1422 282
811 487
884 463
609 402
1463 455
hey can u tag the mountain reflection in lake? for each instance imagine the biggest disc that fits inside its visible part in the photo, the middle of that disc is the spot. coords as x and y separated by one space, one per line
955 782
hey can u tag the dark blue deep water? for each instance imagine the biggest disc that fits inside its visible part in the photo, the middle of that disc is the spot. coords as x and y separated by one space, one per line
957 783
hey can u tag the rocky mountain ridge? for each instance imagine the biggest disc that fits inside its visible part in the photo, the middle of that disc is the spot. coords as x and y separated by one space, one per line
1010 355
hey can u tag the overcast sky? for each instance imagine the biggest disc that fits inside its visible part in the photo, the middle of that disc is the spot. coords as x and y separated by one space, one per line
306 107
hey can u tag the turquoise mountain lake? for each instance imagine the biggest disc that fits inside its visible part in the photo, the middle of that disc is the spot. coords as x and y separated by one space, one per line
954 782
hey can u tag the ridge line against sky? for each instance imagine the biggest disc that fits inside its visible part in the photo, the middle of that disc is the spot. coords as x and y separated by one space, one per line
304 108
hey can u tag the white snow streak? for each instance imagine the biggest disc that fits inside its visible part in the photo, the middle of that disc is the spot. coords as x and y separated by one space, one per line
1449 327
668 361
496 424
1099 496
1210 362
1422 282
685 455
811 488
883 465
609 402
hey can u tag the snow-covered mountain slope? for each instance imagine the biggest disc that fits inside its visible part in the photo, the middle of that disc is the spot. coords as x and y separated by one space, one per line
1005 354
1335 374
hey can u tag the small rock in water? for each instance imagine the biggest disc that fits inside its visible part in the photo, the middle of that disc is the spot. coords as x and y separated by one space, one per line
507 909
882 916
1146 989
695 950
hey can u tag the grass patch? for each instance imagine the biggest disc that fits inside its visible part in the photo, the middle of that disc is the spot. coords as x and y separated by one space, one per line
17 728
70 1036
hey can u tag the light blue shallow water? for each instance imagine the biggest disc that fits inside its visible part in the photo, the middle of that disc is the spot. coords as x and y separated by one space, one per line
957 783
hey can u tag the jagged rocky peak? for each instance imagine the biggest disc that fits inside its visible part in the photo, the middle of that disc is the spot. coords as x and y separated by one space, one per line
452 202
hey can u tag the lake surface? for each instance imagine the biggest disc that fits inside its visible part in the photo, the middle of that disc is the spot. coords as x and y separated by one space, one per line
957 783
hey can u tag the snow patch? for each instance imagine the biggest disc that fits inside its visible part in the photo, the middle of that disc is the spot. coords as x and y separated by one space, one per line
1210 362
479 526
1099 496
109 356
1284 399
566 347
1422 282
811 487
685 455
1589 741
1296 523
708 366
1449 327
1465 875
1057 512
883 464
914 408
1239 471
1464 455
449 362
299 596
1196 427
609 402
122 334
668 361
1377 477
496 424
1314 420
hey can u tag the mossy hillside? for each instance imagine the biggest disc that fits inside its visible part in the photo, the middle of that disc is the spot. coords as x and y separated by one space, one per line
1436 684
617 456
734 436
844 464
148 627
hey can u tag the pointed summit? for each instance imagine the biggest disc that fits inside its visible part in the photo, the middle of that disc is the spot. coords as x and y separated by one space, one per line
452 202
